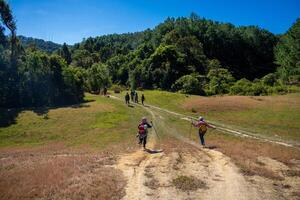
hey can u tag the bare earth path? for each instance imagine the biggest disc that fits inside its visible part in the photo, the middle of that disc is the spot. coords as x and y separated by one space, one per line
150 174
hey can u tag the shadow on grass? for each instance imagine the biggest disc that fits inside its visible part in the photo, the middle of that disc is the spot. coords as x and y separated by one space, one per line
152 151
8 115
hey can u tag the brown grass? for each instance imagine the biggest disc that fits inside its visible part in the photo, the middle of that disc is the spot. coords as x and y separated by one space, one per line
236 103
244 152
188 183
49 174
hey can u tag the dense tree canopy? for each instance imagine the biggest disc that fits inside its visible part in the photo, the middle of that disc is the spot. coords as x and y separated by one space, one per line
177 47
188 54
40 44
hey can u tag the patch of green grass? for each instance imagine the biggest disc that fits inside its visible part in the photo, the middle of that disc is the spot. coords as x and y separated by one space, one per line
98 123
164 99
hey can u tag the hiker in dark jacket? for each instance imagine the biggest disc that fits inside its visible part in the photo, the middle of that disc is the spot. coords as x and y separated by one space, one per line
136 98
132 95
143 99
143 131
127 98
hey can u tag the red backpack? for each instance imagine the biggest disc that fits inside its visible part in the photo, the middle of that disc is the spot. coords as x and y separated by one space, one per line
141 128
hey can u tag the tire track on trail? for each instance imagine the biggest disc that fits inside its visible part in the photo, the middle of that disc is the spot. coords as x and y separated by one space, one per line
223 128
150 174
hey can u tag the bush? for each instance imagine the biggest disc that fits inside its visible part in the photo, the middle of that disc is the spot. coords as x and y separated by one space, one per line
279 89
117 88
220 81
246 87
188 84
98 78
242 87
259 89
269 79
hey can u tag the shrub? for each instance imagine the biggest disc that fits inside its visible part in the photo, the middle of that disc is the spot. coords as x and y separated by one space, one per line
259 89
188 84
269 79
280 89
242 87
220 81
116 88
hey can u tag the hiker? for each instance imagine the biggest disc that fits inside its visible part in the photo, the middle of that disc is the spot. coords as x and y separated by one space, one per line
105 91
202 125
132 95
127 98
143 99
136 98
143 131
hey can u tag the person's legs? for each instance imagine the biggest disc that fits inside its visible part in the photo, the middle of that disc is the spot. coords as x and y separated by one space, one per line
145 141
201 135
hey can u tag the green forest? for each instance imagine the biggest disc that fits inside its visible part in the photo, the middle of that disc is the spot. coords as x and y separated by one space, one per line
191 55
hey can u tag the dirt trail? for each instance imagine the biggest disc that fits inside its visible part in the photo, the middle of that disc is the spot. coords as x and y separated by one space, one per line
150 174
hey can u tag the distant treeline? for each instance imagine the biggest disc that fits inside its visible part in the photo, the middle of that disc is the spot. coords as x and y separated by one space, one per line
188 54
47 46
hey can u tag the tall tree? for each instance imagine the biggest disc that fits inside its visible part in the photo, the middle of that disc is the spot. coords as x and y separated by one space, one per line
287 54
8 20
65 53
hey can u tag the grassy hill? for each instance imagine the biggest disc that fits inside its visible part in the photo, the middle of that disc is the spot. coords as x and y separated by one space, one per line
97 123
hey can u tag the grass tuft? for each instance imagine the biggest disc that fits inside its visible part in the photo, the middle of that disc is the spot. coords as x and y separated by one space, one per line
188 183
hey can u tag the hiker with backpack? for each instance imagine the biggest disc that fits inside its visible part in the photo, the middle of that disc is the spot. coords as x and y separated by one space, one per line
105 91
136 98
132 93
127 98
143 131
143 99
202 125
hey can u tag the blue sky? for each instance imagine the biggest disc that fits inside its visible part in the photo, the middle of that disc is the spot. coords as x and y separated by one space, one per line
72 20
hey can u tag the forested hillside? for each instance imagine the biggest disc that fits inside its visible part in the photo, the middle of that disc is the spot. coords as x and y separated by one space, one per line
40 44
198 56
187 54
247 52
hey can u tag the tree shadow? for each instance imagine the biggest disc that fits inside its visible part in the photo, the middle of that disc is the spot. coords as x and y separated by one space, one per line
8 115
40 110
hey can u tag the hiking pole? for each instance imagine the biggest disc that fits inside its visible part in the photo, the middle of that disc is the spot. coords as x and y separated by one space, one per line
155 130
190 130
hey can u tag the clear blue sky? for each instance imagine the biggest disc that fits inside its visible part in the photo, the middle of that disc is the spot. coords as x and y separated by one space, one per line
72 20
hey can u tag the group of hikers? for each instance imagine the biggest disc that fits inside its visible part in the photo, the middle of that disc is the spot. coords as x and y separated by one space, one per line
134 97
143 126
